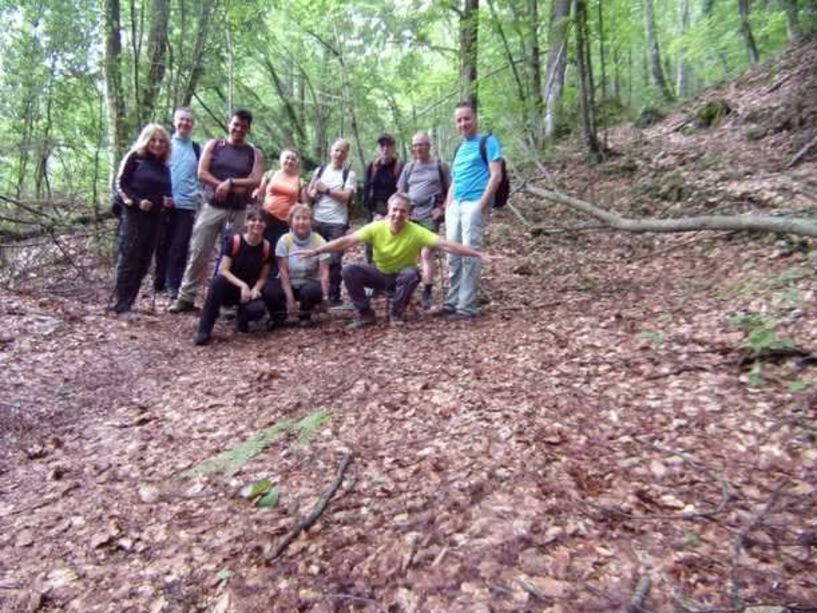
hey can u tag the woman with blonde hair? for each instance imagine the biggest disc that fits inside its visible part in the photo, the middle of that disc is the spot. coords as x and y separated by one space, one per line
303 283
144 188
280 190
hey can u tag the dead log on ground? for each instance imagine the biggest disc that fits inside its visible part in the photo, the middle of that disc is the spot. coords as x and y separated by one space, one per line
751 223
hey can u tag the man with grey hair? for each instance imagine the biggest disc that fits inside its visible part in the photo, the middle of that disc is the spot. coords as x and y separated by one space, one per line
171 253
426 181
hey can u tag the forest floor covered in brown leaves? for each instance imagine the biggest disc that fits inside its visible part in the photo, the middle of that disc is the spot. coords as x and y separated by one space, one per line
625 426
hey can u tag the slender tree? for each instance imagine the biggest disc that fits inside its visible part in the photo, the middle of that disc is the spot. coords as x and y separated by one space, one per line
156 52
682 76
792 21
469 47
654 52
585 79
746 31
557 62
112 65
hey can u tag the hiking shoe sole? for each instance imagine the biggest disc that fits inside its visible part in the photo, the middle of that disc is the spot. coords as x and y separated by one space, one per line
181 306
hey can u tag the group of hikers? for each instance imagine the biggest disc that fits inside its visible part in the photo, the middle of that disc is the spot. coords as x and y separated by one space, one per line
175 199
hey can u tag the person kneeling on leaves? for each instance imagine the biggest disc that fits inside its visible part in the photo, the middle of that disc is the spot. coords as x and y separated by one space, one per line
303 283
245 262
396 244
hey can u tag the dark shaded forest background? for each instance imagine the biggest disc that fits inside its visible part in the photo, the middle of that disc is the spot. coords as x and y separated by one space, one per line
80 78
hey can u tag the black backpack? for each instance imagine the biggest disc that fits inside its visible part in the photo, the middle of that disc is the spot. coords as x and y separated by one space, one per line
503 191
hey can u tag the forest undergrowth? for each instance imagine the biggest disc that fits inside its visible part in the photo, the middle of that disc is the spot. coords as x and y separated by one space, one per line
630 424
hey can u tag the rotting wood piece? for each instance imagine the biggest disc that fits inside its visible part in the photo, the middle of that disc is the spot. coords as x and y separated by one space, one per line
306 522
753 223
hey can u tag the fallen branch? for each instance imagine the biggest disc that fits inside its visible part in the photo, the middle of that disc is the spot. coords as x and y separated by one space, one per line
777 355
776 85
547 230
737 545
359 599
803 152
755 223
306 522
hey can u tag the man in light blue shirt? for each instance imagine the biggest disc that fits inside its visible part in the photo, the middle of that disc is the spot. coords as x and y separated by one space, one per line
171 253
470 196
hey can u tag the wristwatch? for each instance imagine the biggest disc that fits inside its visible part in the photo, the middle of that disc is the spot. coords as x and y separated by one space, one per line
230 181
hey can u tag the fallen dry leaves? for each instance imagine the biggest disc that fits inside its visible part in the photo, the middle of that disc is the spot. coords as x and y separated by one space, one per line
592 430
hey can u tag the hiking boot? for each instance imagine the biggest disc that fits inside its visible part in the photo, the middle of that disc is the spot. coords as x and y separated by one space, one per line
363 320
444 311
459 316
180 306
242 325
201 338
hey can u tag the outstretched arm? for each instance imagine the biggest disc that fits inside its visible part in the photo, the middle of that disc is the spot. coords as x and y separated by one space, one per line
339 244
458 249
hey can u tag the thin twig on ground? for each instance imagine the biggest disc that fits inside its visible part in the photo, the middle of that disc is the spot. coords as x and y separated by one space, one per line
737 545
306 522
352 598
803 153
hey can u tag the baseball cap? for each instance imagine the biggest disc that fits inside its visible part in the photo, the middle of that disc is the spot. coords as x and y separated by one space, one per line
385 139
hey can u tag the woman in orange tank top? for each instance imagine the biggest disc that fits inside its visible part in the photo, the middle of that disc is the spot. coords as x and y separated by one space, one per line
279 192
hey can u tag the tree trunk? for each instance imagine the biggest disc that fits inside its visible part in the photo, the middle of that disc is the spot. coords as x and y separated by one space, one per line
535 69
157 51
289 107
197 67
602 58
584 68
654 53
746 31
520 87
557 62
758 223
117 126
682 81
792 21
469 47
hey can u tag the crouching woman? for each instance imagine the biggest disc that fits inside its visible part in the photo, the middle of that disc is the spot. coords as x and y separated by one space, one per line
242 273
303 283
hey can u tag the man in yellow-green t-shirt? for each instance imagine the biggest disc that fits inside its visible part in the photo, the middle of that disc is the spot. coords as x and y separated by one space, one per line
396 243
